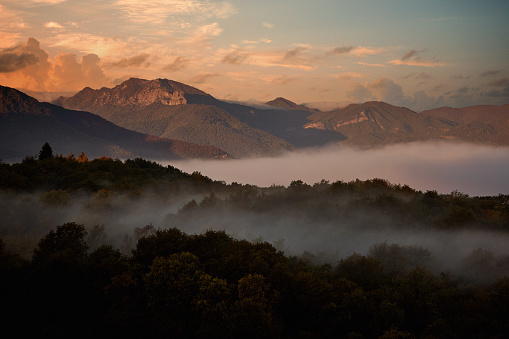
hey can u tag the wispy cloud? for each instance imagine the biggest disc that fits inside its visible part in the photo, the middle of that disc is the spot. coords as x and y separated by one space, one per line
292 53
177 64
267 25
502 82
341 50
158 12
490 73
370 65
134 61
355 51
203 78
212 29
236 57
413 58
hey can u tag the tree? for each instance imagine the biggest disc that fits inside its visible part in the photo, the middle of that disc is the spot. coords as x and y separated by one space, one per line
82 158
46 152
67 243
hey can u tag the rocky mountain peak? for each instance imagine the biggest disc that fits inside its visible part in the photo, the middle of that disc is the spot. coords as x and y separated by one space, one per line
133 93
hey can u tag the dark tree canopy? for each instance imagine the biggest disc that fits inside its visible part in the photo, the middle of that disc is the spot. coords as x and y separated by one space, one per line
46 152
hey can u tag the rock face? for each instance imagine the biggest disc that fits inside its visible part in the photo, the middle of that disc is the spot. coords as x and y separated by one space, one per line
131 93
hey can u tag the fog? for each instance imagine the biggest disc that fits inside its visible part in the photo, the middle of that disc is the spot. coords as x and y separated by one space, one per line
444 167
295 229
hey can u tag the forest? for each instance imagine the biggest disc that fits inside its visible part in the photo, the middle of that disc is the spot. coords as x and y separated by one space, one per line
132 248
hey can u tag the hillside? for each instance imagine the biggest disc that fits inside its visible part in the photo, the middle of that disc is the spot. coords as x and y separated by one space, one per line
283 103
377 123
27 124
174 110
482 123
169 109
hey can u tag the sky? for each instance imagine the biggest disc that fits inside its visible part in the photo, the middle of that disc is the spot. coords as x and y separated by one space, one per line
417 54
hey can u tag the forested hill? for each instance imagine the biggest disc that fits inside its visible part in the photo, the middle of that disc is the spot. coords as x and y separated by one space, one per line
132 248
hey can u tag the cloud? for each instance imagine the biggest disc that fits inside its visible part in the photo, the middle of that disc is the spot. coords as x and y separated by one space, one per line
348 75
502 82
411 54
203 78
134 61
419 76
112 47
71 74
361 51
499 93
53 24
341 50
460 77
267 25
371 65
292 53
182 11
34 70
360 93
282 80
236 57
11 62
413 58
177 64
490 73
211 30
388 91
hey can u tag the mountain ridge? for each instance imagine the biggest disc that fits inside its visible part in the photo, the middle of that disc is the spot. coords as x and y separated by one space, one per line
26 124
170 109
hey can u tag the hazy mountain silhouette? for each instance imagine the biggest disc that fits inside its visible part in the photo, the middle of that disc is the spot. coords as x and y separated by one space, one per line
27 124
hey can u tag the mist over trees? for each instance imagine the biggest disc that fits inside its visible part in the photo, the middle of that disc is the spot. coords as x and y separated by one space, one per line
133 248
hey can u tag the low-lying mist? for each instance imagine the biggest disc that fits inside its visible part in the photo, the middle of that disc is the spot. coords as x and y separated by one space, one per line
444 167
324 223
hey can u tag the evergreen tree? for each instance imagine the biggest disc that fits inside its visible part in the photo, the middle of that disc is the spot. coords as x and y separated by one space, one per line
46 152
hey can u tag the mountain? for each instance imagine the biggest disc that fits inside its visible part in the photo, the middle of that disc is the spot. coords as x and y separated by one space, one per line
287 104
26 124
482 123
174 110
378 123
171 109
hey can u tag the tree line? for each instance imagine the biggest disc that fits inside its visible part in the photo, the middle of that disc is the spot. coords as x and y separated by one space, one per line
211 285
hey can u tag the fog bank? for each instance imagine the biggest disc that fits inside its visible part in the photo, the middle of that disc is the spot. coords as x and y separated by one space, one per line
444 167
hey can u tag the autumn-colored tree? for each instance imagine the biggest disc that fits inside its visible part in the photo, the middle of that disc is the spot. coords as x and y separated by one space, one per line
82 158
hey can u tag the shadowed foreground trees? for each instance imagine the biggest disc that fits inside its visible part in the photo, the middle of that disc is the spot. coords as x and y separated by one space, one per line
213 286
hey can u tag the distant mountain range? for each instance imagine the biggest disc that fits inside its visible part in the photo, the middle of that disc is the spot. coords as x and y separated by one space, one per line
181 117
170 109
26 124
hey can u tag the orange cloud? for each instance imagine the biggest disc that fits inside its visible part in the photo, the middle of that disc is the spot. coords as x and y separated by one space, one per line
29 67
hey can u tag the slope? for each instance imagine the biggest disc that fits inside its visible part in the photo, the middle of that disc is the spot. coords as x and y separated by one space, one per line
171 109
26 124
